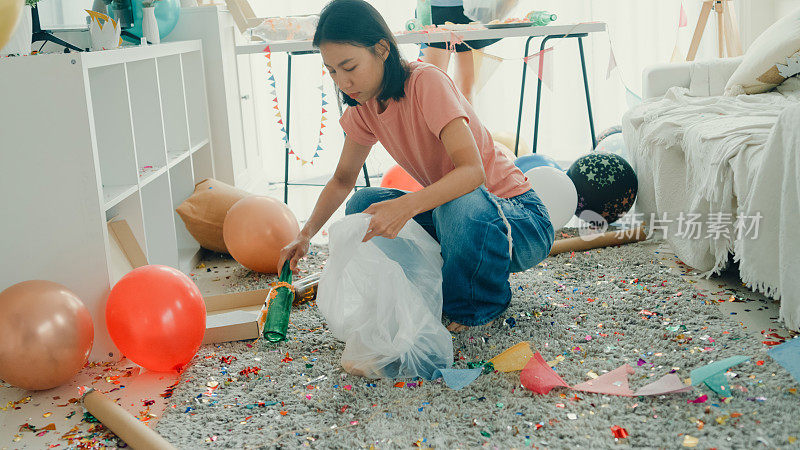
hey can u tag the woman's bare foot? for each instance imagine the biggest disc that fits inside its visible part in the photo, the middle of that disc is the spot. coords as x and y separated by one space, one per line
455 327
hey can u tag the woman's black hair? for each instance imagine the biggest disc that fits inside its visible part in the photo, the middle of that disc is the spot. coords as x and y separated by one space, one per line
356 22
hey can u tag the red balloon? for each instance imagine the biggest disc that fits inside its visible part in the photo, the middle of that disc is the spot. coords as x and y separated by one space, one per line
157 317
398 178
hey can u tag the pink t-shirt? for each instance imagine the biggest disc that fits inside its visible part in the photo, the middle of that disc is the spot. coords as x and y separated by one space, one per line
409 129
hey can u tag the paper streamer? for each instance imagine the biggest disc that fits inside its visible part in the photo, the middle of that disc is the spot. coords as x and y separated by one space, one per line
677 53
276 107
612 61
788 356
668 384
457 379
538 377
700 374
713 375
454 40
545 64
631 98
719 384
544 58
613 383
422 47
546 72
484 65
513 359
683 21
127 427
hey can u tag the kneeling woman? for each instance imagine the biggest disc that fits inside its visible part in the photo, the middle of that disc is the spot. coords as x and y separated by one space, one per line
475 202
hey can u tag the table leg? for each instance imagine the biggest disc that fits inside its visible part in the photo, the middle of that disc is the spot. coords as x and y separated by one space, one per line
586 88
286 119
366 175
522 94
538 100
539 91
286 182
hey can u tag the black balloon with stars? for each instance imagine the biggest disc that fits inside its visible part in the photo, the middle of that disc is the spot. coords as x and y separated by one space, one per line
606 184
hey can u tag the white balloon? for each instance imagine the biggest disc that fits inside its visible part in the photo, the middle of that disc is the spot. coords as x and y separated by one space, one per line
557 192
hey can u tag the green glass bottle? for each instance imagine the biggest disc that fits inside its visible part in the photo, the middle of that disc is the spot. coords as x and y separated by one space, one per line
279 307
539 18
424 12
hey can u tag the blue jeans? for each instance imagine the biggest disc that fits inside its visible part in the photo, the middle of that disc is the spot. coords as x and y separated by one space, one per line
477 252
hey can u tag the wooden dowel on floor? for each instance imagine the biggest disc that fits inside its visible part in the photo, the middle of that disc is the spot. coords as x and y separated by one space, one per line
136 434
582 243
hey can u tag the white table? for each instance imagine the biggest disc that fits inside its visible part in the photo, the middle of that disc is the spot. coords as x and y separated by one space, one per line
568 31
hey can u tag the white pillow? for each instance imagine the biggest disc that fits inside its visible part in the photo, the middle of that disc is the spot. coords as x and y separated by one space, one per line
708 78
759 71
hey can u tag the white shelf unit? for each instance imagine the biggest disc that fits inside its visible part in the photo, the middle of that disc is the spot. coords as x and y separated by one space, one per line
237 158
90 137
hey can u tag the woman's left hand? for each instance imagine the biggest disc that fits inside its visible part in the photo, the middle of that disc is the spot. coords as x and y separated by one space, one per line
388 217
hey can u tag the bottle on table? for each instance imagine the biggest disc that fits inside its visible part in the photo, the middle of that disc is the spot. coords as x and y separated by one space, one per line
424 13
539 18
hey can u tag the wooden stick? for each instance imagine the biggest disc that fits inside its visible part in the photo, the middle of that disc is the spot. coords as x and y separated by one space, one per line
577 244
122 423
238 15
699 29
243 14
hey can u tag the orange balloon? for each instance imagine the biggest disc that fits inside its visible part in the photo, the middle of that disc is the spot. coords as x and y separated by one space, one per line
398 178
46 334
157 317
256 229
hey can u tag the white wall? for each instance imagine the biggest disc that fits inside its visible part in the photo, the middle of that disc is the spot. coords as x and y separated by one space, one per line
754 16
757 15
783 7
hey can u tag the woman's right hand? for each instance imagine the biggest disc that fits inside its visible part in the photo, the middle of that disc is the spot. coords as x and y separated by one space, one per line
293 252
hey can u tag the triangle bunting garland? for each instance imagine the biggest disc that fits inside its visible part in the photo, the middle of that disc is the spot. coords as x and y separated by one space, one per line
274 94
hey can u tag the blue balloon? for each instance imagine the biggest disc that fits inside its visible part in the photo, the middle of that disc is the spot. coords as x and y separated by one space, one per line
528 162
167 14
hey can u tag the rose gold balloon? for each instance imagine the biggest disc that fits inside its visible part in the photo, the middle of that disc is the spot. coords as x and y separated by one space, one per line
256 229
46 334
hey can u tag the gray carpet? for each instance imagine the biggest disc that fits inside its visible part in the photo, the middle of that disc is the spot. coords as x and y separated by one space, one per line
310 401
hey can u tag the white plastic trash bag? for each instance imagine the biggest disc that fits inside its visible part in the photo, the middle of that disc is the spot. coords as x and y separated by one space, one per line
485 11
383 298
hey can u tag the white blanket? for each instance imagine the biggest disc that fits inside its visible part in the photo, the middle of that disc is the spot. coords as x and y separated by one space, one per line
716 162
777 185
